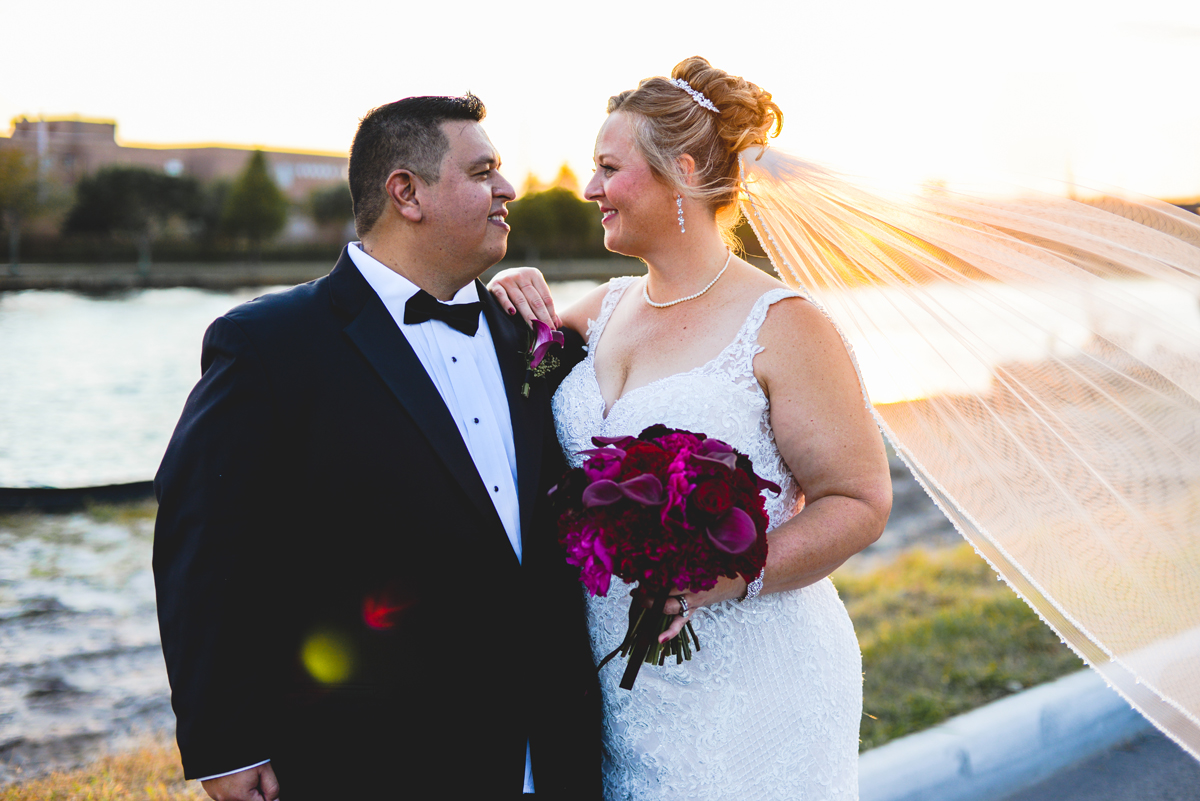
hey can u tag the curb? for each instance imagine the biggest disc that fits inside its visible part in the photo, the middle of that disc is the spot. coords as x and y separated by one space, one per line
1004 747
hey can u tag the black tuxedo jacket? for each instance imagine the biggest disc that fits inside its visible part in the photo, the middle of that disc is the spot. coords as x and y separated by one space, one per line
336 592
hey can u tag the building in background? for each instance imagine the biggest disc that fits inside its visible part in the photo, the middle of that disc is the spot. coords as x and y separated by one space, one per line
67 149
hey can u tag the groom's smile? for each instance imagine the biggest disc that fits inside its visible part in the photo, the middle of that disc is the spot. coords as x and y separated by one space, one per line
465 208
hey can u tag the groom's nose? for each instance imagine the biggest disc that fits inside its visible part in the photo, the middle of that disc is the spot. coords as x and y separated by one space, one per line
503 188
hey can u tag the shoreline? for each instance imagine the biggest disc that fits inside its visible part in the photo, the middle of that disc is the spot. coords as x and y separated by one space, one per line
234 275
72 499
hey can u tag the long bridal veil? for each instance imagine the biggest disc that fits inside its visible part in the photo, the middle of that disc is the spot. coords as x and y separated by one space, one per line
1036 364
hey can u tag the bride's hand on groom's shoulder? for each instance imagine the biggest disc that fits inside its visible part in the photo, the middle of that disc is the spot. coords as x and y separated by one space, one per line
254 784
524 290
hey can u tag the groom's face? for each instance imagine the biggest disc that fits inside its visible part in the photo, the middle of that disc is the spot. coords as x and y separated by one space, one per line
465 209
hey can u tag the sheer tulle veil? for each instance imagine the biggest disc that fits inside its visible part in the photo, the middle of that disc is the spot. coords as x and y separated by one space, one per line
1036 363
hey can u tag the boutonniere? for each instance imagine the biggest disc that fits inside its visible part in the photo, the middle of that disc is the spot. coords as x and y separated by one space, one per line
538 362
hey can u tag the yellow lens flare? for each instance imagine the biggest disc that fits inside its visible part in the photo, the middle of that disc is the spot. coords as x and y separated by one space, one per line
328 657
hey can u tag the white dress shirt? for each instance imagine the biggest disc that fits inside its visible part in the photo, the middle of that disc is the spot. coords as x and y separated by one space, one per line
467 376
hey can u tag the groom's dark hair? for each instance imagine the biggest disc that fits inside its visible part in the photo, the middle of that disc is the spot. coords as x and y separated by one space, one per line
405 135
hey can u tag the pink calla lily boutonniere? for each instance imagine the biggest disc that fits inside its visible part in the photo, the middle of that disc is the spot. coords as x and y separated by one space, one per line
538 360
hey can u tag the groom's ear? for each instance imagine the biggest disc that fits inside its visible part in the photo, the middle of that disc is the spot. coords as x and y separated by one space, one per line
401 188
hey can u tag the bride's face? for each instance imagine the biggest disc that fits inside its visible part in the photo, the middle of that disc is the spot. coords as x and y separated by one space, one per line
637 210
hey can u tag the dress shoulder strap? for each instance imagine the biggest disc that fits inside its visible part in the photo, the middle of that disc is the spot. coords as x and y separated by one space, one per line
737 360
758 312
616 290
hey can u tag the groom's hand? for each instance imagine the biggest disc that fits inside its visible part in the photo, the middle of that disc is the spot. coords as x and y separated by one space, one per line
255 784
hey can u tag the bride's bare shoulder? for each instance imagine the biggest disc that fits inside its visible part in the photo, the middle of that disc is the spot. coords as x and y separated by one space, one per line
797 336
586 308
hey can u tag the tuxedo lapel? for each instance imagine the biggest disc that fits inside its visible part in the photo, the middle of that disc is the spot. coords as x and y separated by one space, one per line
525 413
377 337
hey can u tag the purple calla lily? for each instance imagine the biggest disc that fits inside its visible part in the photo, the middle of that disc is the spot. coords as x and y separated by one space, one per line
727 459
714 450
615 453
733 533
602 463
768 485
710 446
645 489
621 442
544 337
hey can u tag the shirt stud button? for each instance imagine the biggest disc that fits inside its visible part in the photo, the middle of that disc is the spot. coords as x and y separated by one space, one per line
476 419
454 359
495 489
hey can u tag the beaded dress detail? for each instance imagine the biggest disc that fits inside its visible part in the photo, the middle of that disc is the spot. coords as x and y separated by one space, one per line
769 708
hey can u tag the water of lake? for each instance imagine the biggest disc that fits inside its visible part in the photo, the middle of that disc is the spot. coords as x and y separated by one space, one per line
91 387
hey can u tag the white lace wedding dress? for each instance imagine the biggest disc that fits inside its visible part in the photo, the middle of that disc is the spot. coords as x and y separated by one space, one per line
769 708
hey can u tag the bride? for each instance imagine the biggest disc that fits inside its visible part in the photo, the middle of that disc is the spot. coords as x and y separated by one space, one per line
770 707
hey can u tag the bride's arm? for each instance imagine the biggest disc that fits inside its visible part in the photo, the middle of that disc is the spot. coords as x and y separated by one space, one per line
524 290
830 443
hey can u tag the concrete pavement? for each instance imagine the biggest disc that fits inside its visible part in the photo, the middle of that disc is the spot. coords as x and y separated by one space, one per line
1149 768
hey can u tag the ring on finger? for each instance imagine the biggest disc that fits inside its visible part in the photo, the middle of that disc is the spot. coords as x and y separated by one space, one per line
683 605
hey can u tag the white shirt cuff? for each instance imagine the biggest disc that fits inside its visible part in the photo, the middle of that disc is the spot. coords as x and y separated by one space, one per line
231 772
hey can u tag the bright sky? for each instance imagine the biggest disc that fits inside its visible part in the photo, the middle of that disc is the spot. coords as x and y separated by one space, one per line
962 91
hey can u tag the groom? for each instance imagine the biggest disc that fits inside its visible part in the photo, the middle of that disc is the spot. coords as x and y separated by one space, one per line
359 591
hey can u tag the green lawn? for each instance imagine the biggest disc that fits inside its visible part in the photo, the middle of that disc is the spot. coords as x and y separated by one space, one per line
940 636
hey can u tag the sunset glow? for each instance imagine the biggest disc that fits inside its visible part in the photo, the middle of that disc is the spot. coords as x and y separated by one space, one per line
1030 92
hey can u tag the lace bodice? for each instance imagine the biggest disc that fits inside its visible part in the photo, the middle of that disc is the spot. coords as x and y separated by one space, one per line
769 707
720 398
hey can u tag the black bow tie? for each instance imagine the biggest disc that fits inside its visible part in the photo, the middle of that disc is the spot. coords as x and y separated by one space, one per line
461 316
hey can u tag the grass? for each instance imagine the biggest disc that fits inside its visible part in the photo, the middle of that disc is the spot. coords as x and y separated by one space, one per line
149 773
137 516
123 513
941 636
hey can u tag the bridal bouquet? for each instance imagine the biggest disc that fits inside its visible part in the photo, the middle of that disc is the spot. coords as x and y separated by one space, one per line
672 510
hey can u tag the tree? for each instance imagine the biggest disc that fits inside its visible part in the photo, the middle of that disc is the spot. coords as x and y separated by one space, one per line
332 208
210 217
18 199
132 202
566 180
255 207
555 222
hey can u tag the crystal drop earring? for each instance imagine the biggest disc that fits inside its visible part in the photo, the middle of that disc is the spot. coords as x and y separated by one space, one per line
679 208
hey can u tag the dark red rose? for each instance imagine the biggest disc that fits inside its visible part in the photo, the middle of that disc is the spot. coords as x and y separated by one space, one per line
654 432
713 497
645 457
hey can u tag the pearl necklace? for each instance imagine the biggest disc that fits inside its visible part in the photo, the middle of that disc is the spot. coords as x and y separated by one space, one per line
646 295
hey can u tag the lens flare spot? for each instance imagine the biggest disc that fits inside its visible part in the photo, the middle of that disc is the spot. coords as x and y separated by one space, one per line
381 611
327 657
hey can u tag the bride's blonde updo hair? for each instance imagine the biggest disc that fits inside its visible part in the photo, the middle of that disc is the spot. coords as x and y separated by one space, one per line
667 123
